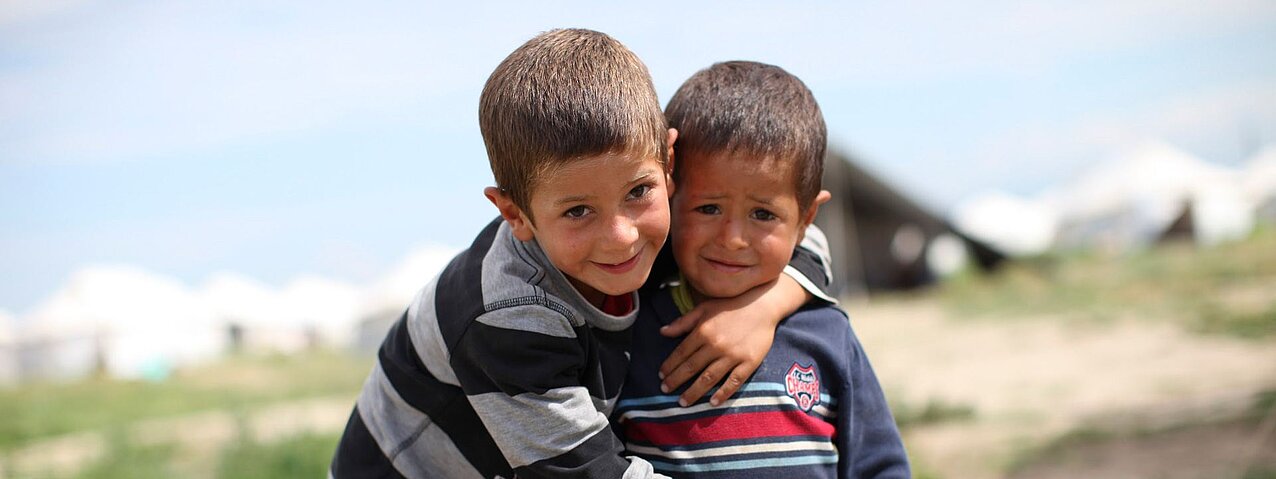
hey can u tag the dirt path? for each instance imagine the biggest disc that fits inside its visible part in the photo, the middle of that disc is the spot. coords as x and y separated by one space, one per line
1030 380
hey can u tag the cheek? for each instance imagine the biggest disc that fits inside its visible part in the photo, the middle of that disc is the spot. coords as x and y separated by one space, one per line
570 246
655 223
776 251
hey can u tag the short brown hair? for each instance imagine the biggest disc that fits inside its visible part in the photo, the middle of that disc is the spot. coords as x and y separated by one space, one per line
752 108
564 95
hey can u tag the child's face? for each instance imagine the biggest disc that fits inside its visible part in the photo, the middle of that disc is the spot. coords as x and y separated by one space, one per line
735 223
601 220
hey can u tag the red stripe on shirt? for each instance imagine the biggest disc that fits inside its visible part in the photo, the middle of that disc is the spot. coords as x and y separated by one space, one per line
728 427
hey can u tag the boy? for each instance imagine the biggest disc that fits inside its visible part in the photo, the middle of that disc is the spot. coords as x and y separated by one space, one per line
750 148
509 361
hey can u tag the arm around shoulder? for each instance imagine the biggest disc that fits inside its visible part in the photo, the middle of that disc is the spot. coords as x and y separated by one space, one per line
812 265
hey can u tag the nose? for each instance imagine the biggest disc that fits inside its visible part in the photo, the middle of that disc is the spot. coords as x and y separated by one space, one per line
731 235
623 232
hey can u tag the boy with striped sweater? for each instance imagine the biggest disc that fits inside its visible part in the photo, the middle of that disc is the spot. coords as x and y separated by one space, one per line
509 362
750 157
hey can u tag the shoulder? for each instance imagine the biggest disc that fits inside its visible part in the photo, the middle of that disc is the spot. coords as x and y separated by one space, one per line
498 283
825 318
821 329
541 315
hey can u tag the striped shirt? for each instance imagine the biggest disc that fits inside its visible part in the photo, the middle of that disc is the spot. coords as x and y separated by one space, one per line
812 409
499 368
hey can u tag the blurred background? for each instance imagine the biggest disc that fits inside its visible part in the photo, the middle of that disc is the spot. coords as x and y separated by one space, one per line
1054 226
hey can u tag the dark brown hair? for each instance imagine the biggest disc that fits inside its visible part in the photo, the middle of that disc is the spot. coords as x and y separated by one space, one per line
564 95
755 109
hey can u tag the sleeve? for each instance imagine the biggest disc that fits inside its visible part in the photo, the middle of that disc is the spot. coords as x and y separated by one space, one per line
811 265
868 439
519 368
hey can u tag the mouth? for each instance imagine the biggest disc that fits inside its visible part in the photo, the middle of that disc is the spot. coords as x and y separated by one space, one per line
622 267
726 266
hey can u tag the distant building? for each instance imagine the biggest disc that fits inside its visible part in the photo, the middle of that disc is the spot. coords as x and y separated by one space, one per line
9 372
1151 192
882 240
119 321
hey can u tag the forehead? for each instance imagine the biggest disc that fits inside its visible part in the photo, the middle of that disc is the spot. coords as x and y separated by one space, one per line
594 175
745 170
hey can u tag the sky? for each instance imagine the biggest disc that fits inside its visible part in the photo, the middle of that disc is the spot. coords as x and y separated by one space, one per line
278 139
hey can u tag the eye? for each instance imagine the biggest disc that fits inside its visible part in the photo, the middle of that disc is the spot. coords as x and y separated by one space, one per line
576 211
639 191
708 209
764 215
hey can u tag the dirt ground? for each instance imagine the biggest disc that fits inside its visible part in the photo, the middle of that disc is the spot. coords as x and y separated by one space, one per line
1228 449
1026 381
1031 380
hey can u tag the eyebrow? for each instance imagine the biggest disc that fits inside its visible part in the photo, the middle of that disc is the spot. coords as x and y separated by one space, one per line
571 199
641 176
754 198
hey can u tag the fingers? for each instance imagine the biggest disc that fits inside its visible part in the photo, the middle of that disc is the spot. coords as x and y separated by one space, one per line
685 369
733 383
707 380
683 325
677 361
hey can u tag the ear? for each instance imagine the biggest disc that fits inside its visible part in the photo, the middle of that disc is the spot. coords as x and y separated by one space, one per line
519 221
820 198
669 165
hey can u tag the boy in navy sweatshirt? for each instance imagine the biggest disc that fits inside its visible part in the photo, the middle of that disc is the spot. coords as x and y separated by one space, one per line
750 158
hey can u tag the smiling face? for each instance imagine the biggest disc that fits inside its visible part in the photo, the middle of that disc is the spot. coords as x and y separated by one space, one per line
601 221
735 223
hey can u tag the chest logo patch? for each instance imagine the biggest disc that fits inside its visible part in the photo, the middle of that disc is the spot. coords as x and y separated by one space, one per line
803 385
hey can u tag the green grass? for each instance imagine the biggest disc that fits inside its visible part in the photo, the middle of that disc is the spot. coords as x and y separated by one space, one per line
302 456
124 459
39 410
1063 446
933 412
1225 289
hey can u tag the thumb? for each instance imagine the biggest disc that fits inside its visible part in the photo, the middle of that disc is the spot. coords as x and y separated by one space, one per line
683 325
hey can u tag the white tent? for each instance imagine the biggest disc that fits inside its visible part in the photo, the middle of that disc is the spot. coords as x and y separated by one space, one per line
1259 183
382 304
325 309
9 372
1131 199
254 314
1014 225
122 320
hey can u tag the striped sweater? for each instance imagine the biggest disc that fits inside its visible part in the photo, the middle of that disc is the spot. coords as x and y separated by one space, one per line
812 409
498 368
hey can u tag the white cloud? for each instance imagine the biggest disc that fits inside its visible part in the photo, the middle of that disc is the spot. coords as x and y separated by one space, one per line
930 41
19 12
170 77
1210 121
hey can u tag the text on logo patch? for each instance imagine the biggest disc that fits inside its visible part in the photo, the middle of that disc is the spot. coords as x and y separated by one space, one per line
803 385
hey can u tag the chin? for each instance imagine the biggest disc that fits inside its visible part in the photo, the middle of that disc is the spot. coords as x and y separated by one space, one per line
722 292
622 289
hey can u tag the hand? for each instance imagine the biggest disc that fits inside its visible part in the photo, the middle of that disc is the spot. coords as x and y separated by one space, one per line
730 339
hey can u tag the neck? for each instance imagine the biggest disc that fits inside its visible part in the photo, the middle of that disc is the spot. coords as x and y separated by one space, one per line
593 296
